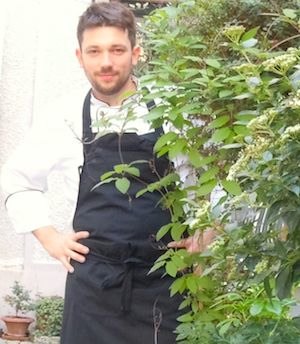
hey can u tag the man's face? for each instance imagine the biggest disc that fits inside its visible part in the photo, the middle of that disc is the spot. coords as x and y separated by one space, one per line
107 58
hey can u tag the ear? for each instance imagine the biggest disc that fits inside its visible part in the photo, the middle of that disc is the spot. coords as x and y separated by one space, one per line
136 52
79 56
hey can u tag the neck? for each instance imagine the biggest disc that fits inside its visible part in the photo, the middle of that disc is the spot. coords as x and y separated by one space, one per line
117 99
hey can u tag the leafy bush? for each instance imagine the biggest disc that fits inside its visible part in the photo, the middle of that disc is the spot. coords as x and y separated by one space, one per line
49 313
204 20
234 105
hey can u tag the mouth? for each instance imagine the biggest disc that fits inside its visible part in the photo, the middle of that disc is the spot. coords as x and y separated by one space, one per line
106 76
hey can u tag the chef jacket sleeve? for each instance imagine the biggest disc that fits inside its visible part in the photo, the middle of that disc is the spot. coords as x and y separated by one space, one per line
24 177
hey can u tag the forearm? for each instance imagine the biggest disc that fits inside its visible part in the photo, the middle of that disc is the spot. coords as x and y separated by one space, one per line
46 235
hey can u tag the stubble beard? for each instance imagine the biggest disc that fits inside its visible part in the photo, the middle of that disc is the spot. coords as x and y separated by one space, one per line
112 90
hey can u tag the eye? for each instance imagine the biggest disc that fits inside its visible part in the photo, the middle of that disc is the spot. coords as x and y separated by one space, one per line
92 52
118 51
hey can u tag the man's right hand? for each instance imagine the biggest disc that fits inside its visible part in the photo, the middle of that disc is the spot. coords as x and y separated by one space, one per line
63 247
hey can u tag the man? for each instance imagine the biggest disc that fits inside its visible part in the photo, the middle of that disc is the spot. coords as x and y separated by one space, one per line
110 298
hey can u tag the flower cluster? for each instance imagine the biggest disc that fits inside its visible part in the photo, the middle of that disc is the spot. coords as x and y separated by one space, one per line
201 214
217 244
261 123
252 151
244 199
280 64
290 132
261 266
246 69
234 32
293 101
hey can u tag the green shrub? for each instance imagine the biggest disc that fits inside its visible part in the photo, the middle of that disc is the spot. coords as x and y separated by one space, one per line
49 312
241 84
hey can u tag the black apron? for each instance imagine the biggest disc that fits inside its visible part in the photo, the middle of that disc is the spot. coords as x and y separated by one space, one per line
111 299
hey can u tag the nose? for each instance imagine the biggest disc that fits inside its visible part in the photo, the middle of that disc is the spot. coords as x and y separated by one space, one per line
106 59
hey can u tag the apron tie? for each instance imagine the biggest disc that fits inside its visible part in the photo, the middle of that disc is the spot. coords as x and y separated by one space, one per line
126 258
123 278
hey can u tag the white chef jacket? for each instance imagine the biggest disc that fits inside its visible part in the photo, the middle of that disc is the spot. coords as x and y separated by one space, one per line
54 143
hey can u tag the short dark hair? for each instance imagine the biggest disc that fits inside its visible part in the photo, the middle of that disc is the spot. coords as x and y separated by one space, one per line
107 14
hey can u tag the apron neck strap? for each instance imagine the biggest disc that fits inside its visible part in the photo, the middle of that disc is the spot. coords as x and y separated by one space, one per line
87 134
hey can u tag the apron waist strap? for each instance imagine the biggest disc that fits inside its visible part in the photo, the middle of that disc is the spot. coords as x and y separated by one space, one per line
126 257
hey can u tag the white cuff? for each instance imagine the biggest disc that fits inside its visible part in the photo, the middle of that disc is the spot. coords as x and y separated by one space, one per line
28 210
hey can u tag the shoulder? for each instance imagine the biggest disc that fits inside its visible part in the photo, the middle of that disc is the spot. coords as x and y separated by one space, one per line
61 113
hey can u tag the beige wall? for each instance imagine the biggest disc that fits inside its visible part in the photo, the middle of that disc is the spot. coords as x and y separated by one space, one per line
37 64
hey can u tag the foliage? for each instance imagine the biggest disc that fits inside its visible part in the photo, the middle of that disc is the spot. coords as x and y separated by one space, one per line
254 332
49 313
205 20
234 105
19 299
231 94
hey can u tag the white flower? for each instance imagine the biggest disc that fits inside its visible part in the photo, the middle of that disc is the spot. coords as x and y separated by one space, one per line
280 64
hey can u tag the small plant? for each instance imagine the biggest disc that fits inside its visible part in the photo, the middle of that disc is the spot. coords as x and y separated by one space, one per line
20 299
49 313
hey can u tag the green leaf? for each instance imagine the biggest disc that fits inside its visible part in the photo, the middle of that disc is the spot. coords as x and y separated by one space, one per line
219 122
185 318
290 13
243 96
141 192
207 188
156 113
213 63
232 187
241 130
274 307
221 134
165 181
177 230
178 260
190 72
164 140
177 286
249 34
284 282
163 231
225 327
192 284
208 175
225 93
178 148
207 160
157 266
205 282
193 58
122 184
133 171
136 162
120 168
268 287
185 303
195 157
256 308
171 269
106 181
107 175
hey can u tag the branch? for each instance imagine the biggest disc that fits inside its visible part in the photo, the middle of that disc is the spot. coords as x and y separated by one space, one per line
284 41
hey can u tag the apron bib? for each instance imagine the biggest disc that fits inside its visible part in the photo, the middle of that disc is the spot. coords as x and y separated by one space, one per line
111 299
